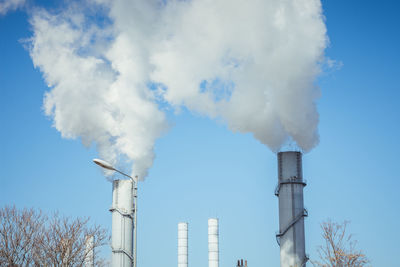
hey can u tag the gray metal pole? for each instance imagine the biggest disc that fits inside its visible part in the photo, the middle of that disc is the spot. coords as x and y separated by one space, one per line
135 224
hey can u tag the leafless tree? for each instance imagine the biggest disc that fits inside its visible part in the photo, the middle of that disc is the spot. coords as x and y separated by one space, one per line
65 242
339 249
19 232
28 238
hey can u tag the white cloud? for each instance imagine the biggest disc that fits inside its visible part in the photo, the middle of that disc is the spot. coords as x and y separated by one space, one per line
251 63
10 5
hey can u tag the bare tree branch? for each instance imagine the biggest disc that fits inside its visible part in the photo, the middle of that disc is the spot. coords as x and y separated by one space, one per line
19 231
339 249
29 238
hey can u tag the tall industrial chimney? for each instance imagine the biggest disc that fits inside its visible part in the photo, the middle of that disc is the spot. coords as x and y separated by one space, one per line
291 209
122 224
182 244
213 250
89 251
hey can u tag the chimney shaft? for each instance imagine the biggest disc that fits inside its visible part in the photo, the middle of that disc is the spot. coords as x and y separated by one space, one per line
182 244
240 263
89 251
213 249
291 209
122 223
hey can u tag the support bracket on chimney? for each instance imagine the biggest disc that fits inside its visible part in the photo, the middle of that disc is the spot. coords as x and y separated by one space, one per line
292 180
298 217
122 251
306 258
130 215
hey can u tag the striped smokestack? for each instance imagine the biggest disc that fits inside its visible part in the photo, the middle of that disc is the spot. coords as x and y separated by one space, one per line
182 244
213 248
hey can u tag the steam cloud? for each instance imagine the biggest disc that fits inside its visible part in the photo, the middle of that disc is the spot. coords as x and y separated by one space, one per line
10 5
251 64
288 257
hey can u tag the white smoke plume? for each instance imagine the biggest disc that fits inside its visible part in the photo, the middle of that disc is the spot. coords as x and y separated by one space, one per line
251 64
10 5
288 257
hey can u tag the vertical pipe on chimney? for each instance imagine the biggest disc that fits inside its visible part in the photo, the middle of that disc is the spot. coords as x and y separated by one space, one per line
122 224
213 249
183 244
291 209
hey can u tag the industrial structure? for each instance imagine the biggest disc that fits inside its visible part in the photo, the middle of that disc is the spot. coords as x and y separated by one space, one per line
291 209
213 244
183 244
89 251
291 236
241 264
124 218
123 212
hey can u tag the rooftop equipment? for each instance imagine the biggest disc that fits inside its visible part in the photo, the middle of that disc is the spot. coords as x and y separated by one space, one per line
240 263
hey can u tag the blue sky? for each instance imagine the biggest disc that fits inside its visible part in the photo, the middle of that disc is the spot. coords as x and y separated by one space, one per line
203 170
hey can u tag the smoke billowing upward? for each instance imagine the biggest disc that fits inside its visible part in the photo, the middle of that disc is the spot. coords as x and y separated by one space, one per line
252 64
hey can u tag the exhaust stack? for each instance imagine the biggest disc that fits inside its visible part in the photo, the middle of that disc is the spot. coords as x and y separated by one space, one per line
291 236
89 251
183 244
240 263
122 223
213 249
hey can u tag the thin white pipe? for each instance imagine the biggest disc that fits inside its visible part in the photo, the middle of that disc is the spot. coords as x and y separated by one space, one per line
89 251
183 244
135 225
213 246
